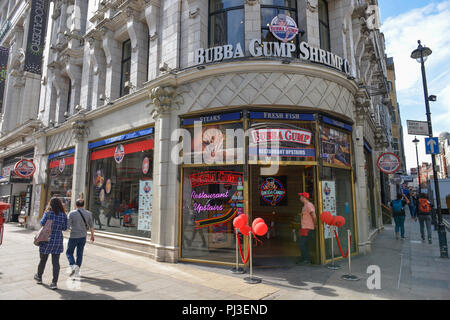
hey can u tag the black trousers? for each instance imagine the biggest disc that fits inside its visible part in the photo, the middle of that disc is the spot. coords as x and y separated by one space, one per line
55 263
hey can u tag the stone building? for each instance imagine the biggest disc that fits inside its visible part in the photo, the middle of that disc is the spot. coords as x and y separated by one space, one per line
171 117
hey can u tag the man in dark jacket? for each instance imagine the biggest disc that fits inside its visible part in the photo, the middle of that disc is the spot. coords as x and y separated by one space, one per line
398 212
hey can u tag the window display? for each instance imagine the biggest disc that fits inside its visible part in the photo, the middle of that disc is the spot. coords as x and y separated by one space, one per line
335 146
60 179
212 198
121 187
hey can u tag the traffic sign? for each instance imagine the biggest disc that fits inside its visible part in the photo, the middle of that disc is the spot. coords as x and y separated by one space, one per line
388 163
432 145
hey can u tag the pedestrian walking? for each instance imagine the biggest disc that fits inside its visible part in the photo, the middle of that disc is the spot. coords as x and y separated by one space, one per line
414 202
424 214
79 222
54 211
308 223
398 212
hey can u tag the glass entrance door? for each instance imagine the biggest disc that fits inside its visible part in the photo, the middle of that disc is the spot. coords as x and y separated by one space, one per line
275 199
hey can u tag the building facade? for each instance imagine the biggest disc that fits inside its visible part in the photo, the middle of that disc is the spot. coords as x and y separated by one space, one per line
172 117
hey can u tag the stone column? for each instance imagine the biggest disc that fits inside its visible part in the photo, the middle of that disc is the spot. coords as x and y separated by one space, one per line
139 47
80 131
74 72
98 72
39 178
113 53
30 102
252 18
165 208
309 20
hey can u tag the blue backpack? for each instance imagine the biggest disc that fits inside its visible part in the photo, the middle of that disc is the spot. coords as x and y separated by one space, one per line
397 206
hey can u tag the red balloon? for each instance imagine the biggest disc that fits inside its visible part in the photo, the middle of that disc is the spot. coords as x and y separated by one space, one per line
260 228
339 221
256 221
332 221
325 216
245 230
240 221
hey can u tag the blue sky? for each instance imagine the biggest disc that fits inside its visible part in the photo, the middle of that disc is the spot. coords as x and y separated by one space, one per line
403 23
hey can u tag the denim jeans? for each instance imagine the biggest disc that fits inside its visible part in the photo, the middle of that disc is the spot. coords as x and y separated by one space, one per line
425 219
400 225
75 243
304 243
55 263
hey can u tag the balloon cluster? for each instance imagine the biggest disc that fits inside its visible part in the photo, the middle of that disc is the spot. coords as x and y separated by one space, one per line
327 218
259 227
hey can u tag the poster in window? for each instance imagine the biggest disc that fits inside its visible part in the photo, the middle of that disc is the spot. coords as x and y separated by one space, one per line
272 191
335 146
329 202
145 205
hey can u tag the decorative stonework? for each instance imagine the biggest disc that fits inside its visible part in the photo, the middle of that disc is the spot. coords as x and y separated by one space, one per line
164 99
80 129
311 5
251 2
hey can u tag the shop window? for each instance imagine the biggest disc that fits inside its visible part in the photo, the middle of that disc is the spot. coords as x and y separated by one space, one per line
337 198
126 68
335 147
226 22
273 8
324 25
60 179
212 198
121 187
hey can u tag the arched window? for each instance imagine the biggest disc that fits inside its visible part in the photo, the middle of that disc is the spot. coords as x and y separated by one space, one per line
324 25
226 22
271 9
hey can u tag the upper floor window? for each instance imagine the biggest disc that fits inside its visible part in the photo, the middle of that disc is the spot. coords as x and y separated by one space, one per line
276 8
126 68
324 26
226 22
69 96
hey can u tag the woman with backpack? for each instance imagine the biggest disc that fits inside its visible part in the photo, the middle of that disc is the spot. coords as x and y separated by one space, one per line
55 211
424 214
398 212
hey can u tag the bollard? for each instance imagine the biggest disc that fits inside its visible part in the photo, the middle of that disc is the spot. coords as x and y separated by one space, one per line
237 269
332 265
251 279
349 276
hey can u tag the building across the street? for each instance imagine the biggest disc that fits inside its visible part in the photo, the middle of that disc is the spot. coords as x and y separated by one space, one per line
172 117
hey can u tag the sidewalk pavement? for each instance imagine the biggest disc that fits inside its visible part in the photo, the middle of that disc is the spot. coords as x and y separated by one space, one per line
409 269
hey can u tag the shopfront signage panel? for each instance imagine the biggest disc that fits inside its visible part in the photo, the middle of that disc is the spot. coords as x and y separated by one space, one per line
272 191
337 123
281 135
281 116
283 28
419 128
388 163
25 168
123 137
282 152
213 118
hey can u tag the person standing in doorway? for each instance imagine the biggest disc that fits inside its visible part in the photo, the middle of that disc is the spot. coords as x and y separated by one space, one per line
424 214
55 211
398 212
79 222
308 223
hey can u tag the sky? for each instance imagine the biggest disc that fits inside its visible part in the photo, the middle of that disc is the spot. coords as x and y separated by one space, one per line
403 22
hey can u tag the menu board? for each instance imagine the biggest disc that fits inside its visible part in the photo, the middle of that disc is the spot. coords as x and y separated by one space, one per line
145 205
329 202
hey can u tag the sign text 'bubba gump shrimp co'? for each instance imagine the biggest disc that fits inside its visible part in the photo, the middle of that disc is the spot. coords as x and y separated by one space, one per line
285 29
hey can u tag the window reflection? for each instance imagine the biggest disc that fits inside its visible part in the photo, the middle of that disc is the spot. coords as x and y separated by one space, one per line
226 22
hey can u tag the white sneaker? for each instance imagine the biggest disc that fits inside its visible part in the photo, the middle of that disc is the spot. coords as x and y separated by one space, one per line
77 271
71 270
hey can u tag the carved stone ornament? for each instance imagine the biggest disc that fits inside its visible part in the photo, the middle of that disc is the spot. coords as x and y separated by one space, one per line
251 2
163 100
80 129
311 5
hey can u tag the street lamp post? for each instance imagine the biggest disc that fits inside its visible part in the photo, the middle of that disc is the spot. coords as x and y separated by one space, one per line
421 54
416 142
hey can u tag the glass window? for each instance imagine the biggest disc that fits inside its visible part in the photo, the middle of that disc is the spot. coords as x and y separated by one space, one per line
121 187
338 200
212 198
324 25
60 179
272 8
226 22
126 68
335 146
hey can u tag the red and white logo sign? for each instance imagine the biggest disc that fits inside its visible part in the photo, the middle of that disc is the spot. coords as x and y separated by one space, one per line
119 153
62 165
145 165
25 168
388 163
282 135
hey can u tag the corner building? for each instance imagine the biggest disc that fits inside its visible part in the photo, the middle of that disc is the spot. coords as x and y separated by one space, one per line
167 148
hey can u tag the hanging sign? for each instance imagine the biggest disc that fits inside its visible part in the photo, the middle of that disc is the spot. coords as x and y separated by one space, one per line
62 165
119 153
329 202
36 36
145 165
25 168
272 190
388 163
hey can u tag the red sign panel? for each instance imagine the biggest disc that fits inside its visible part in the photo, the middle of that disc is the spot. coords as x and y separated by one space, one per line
25 168
388 163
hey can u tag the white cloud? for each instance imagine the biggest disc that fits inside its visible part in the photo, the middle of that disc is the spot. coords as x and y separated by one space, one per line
431 25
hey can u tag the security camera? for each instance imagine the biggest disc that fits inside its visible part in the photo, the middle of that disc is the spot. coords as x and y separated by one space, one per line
432 98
